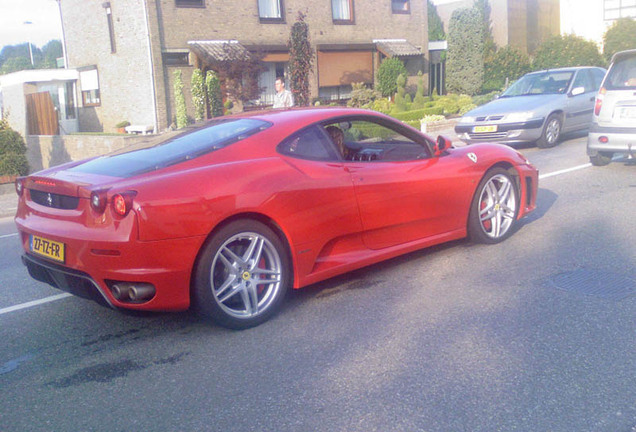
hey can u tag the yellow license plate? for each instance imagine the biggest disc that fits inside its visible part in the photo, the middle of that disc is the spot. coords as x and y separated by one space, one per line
47 248
483 129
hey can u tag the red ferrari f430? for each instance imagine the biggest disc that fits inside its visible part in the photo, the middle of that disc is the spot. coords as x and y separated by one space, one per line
230 215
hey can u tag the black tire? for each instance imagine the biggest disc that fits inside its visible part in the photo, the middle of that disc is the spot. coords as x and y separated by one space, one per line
242 275
494 209
601 158
551 132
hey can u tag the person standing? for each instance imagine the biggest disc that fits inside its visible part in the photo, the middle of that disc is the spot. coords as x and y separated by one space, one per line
283 98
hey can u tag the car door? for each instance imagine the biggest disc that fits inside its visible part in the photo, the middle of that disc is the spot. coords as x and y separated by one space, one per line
580 102
317 196
403 193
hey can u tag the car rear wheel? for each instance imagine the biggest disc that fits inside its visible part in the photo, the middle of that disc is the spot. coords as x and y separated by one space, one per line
242 275
601 159
493 212
551 132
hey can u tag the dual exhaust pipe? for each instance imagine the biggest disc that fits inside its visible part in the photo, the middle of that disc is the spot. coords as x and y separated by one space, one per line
133 292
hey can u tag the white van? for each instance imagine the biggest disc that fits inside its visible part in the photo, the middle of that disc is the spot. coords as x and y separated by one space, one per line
613 128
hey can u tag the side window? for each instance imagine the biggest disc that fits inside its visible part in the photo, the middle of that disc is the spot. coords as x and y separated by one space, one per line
583 79
311 143
369 141
598 76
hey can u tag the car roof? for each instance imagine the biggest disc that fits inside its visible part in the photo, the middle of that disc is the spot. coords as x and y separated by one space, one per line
564 69
623 54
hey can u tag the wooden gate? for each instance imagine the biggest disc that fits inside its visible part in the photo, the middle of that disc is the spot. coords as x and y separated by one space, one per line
41 114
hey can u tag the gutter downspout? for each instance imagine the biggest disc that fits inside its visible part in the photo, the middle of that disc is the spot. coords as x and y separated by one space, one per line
151 67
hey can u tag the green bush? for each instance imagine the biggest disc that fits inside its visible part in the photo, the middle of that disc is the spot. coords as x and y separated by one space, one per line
213 87
179 100
198 94
419 100
465 62
361 95
566 51
401 102
619 37
507 63
388 72
13 159
13 164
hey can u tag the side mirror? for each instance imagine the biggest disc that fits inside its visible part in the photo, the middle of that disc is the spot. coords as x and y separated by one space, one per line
441 145
577 91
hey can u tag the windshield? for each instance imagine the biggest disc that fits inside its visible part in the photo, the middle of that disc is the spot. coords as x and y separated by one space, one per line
555 82
622 75
180 148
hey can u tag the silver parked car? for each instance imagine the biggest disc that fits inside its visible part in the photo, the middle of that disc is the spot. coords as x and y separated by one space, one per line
613 128
538 107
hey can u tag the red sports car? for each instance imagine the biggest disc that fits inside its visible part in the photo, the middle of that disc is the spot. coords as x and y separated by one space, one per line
230 215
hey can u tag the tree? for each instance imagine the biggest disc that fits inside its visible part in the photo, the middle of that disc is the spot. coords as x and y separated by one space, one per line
565 51
301 58
215 99
238 74
179 100
388 72
465 56
14 64
507 64
198 94
620 36
17 57
13 159
435 24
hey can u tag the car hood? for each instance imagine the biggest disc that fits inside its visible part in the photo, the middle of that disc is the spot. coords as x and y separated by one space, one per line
506 105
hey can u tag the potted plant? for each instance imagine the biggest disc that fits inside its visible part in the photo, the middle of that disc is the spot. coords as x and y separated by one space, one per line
121 126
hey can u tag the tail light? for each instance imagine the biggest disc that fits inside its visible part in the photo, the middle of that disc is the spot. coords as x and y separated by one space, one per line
122 202
98 201
19 186
599 101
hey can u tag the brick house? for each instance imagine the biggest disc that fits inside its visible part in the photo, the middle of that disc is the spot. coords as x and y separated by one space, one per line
127 50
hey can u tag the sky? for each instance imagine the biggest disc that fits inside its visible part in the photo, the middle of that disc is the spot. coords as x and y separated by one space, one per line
44 16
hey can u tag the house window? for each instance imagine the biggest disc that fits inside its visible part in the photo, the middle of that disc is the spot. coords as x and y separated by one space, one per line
181 58
271 11
342 11
401 6
89 82
189 3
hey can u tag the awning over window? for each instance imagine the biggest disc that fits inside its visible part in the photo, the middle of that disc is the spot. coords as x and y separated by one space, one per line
396 48
219 51
336 68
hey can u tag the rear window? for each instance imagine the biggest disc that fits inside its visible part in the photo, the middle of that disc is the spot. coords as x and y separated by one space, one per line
183 147
622 75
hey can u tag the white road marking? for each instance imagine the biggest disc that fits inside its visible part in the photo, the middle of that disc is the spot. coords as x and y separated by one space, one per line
34 303
564 171
8 235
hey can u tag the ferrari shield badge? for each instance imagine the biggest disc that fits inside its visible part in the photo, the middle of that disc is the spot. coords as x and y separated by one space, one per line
472 157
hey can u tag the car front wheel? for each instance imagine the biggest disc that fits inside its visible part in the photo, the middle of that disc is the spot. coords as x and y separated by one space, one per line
551 132
493 212
242 275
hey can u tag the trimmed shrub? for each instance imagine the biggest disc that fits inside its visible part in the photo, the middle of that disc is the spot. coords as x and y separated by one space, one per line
388 72
213 88
198 94
564 51
465 61
619 37
419 100
179 100
401 103
300 60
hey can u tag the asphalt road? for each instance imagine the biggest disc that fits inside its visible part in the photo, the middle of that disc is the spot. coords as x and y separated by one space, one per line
535 334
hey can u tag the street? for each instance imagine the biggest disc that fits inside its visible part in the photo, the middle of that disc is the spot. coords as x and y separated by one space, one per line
535 334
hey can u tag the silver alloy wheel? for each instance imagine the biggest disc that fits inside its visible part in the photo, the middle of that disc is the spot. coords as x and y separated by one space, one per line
497 206
246 275
552 131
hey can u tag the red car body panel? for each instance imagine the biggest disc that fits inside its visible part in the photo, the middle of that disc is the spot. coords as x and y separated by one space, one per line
334 216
